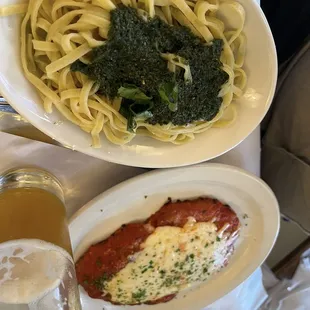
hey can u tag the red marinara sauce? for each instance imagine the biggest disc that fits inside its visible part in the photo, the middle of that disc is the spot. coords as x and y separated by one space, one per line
103 260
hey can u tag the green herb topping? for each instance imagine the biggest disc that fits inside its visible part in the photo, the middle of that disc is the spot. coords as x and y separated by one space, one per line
135 64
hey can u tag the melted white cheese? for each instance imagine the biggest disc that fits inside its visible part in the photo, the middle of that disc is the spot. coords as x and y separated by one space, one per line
172 258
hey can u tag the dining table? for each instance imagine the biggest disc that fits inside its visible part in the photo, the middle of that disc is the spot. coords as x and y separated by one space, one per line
84 177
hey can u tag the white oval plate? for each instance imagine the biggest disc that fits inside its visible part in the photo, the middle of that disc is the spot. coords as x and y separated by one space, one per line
260 65
250 198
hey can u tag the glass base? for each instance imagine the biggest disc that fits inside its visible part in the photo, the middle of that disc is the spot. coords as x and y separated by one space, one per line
36 275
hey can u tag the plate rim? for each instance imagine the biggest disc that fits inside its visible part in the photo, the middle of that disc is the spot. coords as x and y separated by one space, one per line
163 171
223 168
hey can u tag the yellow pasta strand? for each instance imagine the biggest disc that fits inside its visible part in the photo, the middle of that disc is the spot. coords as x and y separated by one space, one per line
44 46
68 59
13 9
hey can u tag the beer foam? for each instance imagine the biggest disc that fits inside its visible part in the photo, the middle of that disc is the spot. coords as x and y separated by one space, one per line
30 269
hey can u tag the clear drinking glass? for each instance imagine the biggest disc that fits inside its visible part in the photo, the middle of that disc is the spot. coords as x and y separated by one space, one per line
36 266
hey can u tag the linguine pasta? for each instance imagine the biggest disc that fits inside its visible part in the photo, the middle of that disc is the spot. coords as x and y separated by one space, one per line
54 34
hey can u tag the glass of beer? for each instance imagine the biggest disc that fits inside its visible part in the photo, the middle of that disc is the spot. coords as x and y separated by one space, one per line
36 265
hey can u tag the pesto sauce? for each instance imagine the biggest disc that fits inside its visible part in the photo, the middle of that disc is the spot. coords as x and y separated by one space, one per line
132 55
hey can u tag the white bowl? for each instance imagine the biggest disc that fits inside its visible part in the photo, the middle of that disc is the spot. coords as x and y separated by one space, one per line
260 66
252 200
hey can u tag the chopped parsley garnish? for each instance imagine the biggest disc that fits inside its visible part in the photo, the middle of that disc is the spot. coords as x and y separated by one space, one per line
99 262
168 281
101 281
162 273
139 295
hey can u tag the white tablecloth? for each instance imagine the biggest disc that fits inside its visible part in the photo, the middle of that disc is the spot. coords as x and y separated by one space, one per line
84 177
